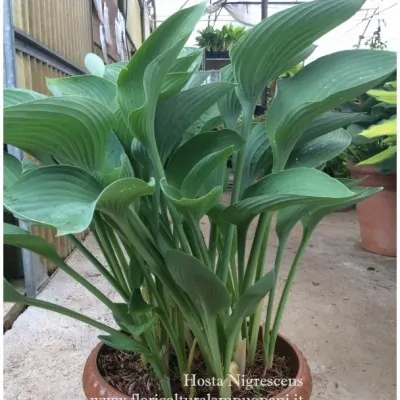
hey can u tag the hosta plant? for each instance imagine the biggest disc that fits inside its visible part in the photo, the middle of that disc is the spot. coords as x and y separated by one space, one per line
129 152
386 129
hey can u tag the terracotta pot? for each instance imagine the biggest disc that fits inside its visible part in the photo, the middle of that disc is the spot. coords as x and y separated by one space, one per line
377 214
95 386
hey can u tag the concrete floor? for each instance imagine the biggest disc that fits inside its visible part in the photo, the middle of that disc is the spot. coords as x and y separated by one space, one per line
341 313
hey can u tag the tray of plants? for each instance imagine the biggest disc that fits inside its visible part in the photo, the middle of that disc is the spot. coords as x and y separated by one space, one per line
127 151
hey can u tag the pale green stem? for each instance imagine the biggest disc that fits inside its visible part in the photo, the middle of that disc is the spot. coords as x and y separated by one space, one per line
80 246
200 241
247 118
284 297
271 297
67 312
214 232
263 224
109 252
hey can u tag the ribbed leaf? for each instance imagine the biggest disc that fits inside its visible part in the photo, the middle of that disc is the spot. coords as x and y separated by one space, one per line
94 64
298 59
91 86
173 83
195 149
12 97
140 82
256 59
73 129
257 157
320 150
248 301
178 112
189 62
198 281
193 207
285 188
65 197
310 216
229 105
341 76
208 121
112 70
12 170
203 169
329 122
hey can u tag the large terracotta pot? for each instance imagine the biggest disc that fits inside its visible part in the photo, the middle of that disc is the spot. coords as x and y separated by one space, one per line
95 386
377 214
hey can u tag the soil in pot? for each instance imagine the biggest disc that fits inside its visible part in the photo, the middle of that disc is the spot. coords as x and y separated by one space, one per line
123 374
377 214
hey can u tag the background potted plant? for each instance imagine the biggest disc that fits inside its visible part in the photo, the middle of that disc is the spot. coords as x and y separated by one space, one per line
218 42
376 164
115 155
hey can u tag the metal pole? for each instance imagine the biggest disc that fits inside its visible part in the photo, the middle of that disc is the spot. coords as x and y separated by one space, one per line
264 14
30 263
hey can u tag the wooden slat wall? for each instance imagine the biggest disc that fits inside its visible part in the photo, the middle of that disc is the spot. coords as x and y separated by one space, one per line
65 26
66 30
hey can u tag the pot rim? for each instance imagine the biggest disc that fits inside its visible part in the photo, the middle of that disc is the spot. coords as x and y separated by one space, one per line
301 362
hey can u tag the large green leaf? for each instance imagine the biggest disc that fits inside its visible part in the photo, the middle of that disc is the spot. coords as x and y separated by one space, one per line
311 216
265 51
297 61
189 62
210 120
249 300
329 122
229 105
140 82
178 112
195 149
72 129
318 151
12 97
257 154
341 76
198 175
285 188
198 281
12 170
94 87
173 83
66 197
194 207
112 71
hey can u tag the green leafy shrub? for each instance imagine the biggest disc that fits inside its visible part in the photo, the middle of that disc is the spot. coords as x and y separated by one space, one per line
129 152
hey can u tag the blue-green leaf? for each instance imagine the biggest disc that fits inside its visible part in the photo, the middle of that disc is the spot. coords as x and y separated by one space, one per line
341 76
198 281
72 129
267 50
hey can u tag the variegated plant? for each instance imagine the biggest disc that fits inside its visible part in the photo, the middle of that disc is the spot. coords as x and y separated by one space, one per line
129 152
385 129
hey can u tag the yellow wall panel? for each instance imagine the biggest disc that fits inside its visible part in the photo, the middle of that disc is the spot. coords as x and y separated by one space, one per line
133 22
65 26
